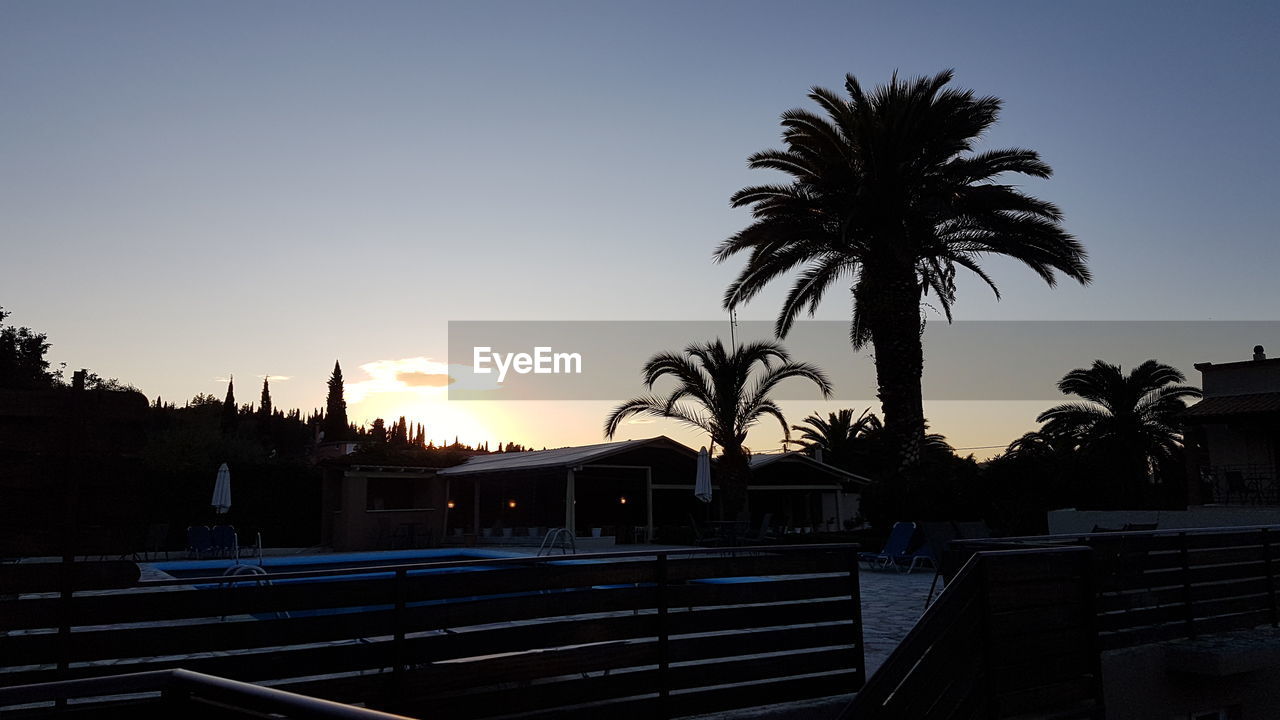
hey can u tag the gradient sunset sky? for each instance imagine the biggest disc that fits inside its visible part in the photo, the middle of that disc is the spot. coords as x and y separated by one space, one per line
190 190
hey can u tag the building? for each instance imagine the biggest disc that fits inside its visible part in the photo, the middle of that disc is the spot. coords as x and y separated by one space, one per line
800 491
1233 434
633 491
375 506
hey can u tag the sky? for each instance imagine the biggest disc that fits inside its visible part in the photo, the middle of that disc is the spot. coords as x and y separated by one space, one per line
194 190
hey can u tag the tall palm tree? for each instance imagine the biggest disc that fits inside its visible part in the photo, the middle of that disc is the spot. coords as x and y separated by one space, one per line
840 435
886 193
1129 418
722 393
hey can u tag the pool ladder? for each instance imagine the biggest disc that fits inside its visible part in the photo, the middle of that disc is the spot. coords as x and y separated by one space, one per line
260 578
558 537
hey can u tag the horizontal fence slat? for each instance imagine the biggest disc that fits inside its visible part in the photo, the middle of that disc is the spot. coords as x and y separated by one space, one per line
766 591
704 647
704 619
528 666
773 624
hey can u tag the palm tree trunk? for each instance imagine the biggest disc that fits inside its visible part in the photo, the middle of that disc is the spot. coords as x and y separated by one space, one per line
899 356
735 472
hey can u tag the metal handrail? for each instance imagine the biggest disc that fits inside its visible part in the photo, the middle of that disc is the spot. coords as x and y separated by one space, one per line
553 536
232 695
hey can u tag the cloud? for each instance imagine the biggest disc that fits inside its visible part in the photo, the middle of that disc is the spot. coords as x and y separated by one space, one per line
415 374
423 379
420 375
275 378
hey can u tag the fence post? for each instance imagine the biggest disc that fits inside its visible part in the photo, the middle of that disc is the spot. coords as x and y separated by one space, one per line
66 592
1089 600
664 643
988 680
855 594
1271 577
399 655
1186 585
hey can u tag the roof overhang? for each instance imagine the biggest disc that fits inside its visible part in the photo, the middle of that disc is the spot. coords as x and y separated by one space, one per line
562 458
795 456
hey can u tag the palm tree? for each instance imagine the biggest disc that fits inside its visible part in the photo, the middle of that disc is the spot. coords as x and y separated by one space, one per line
886 194
1131 419
716 393
1044 444
840 436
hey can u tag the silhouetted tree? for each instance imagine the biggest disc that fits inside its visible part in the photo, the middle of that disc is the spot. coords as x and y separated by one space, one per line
887 195
264 405
843 439
22 358
335 425
1129 419
378 431
713 395
230 415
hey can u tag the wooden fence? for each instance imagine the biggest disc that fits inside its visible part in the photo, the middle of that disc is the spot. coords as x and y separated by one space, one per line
1012 635
631 634
1023 621
1162 585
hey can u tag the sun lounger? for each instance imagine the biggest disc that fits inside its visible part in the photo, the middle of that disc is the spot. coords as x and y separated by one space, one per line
225 541
199 541
896 548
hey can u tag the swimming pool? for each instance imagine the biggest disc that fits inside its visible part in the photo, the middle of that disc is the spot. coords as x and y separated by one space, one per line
185 569
209 574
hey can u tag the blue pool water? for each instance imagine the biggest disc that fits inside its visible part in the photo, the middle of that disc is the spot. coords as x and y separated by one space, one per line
183 569
211 573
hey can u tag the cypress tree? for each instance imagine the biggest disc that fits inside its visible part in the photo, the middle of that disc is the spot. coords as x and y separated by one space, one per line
264 407
230 415
335 416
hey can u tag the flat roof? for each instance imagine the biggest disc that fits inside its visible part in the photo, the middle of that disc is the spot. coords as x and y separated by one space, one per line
1203 366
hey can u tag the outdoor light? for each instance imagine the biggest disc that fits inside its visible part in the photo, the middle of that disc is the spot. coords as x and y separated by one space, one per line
451 504
622 500
511 503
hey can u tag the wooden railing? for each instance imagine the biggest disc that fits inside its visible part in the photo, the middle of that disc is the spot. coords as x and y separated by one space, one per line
1023 621
638 634
1012 635
1166 584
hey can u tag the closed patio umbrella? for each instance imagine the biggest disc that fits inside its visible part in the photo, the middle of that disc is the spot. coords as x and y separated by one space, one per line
702 487
222 490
